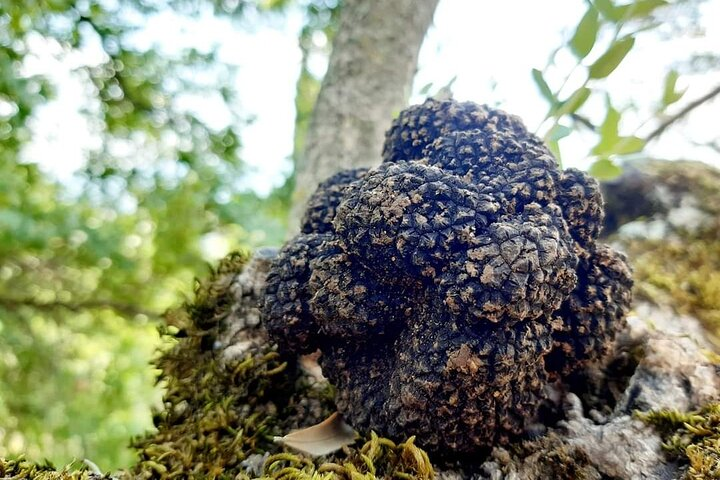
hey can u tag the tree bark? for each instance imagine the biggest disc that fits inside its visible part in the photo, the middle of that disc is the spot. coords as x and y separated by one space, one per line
369 77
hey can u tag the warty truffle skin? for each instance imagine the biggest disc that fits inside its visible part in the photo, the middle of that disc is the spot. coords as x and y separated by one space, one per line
321 206
447 286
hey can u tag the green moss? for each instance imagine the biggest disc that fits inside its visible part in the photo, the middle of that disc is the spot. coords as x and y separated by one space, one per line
686 270
691 437
376 458
20 469
683 269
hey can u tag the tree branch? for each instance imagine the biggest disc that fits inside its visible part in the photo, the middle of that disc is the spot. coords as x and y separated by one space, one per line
122 308
682 113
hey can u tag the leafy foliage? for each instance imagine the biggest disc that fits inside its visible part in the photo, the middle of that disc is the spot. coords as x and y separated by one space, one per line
600 43
84 276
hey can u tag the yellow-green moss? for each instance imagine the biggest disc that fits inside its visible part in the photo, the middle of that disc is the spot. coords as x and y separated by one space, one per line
688 270
20 469
376 458
683 269
691 437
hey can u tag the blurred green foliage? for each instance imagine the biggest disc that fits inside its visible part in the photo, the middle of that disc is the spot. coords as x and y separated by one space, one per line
600 43
86 272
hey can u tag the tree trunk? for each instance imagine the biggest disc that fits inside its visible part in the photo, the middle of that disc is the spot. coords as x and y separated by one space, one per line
369 77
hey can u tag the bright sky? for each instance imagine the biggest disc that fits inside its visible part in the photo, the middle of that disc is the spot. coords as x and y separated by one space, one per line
490 47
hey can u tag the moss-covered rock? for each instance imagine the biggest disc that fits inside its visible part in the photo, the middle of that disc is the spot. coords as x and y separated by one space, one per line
21 469
666 216
692 438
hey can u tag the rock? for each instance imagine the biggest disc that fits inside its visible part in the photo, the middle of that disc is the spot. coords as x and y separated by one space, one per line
653 199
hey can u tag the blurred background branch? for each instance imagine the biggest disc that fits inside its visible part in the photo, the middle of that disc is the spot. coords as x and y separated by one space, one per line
667 123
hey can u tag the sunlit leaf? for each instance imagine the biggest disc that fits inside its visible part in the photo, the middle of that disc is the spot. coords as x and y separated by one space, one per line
610 141
670 92
543 86
627 145
610 60
585 34
608 131
574 102
426 89
605 169
554 147
558 132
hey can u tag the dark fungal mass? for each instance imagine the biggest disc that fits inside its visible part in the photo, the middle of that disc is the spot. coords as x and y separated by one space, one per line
419 125
321 207
447 286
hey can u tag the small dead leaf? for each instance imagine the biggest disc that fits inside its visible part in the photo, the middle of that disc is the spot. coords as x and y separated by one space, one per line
326 437
309 364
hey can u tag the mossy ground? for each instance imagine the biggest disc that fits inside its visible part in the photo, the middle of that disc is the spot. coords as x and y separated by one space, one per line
683 269
20 469
691 437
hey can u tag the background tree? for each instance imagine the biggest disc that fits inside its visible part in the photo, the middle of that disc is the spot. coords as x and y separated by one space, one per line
85 272
369 78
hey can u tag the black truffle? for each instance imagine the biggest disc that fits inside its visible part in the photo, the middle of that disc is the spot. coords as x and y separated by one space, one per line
321 206
447 286
419 125
593 314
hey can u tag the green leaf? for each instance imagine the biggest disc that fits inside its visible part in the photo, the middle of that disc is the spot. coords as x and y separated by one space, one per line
610 60
554 147
426 89
670 92
558 132
604 169
586 33
627 145
552 138
574 102
608 10
543 86
608 131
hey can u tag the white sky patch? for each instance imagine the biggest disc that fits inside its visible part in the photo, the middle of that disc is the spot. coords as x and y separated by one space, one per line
490 47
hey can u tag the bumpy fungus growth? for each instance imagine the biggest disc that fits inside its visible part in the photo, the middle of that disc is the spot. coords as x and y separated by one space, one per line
447 286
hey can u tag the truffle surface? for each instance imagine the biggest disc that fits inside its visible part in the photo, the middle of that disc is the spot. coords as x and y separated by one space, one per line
447 286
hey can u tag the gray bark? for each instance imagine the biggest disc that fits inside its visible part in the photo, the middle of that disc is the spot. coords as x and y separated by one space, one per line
369 77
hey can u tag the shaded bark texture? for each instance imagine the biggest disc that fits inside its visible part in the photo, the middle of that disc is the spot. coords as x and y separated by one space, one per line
369 76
